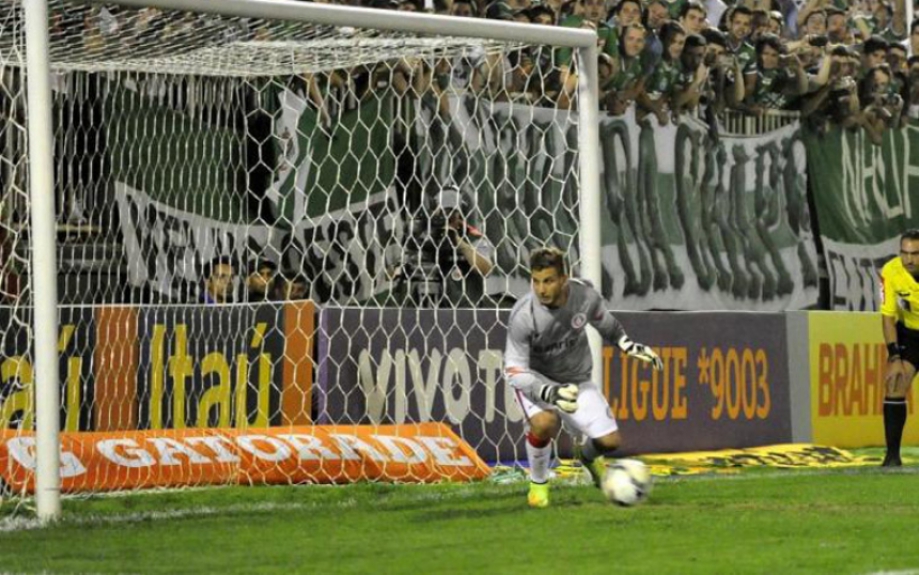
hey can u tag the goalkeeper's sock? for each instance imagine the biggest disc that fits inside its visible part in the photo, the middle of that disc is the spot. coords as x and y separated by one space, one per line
894 422
539 452
592 461
589 450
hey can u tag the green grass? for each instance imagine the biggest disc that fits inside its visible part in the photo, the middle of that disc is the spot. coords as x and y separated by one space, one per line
832 521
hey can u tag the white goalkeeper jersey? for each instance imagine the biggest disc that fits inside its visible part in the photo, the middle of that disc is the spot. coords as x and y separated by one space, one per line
550 345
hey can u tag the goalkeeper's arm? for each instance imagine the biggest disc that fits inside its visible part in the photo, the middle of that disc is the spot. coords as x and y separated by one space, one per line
562 395
539 388
611 330
640 351
536 386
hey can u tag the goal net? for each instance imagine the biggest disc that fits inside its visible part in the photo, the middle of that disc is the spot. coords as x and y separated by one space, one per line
286 251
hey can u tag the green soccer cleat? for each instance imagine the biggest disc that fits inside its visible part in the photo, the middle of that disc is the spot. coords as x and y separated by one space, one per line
538 495
596 468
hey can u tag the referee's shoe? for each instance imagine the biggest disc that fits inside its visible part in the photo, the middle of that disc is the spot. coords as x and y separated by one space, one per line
891 460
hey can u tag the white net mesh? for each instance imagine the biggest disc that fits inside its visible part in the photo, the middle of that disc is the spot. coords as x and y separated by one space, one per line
110 38
285 250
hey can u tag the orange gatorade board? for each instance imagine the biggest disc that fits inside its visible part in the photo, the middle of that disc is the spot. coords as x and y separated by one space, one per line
101 461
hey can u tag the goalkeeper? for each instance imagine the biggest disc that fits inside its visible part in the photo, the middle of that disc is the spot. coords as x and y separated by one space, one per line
547 361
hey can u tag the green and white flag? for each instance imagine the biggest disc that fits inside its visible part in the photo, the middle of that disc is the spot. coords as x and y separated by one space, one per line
689 221
863 202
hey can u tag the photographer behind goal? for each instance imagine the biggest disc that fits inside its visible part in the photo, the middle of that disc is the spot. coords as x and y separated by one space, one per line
445 258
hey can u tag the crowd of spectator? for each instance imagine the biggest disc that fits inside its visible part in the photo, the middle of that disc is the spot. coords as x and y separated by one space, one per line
220 283
848 62
853 63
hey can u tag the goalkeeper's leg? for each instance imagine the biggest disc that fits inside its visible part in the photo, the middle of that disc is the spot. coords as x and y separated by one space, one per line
539 451
591 453
595 420
542 426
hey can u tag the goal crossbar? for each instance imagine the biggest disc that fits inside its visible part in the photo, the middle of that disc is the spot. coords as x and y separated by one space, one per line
377 19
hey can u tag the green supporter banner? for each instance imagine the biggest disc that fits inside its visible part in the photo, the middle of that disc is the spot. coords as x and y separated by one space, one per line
166 248
863 203
329 167
334 193
519 163
177 160
180 188
690 221
176 181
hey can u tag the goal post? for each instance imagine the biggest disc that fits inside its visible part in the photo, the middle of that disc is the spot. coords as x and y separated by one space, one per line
44 261
206 61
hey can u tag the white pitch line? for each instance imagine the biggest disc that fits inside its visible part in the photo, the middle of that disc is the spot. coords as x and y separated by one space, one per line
18 523
12 524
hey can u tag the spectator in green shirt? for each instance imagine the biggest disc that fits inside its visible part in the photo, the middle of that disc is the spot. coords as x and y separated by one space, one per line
655 16
656 96
693 17
882 20
739 27
628 78
779 77
585 14
722 88
881 107
687 93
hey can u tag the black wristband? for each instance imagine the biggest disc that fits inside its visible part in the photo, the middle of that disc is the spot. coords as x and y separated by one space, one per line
893 349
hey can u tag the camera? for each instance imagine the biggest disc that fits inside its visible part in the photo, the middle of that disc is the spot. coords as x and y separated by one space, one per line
414 269
844 84
432 223
818 41
429 229
840 94
892 100
429 250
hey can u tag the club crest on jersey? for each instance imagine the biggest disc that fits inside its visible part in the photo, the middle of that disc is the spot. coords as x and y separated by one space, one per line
578 321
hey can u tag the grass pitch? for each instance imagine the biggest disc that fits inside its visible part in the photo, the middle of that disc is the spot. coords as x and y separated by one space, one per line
863 520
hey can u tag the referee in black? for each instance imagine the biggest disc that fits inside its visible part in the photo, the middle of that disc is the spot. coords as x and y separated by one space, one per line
900 317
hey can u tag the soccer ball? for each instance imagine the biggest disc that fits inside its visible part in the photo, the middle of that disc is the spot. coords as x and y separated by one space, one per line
627 482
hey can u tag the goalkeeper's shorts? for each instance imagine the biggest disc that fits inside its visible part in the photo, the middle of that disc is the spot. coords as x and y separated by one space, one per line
594 418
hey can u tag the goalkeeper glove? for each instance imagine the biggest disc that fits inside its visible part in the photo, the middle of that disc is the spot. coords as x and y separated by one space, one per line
564 397
640 351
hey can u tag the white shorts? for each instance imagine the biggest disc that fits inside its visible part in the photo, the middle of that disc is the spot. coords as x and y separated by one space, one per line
593 417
